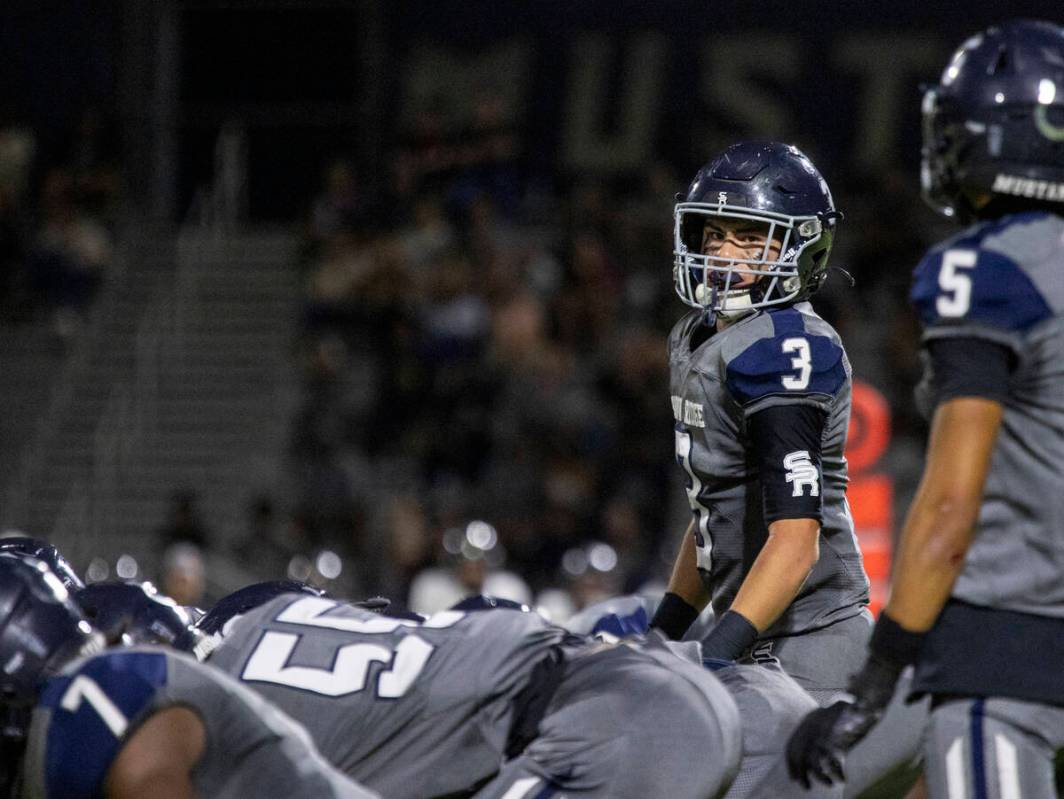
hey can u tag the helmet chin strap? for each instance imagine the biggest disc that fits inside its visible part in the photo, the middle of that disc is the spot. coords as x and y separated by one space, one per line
737 306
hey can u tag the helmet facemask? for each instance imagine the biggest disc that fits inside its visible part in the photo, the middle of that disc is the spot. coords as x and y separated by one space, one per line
789 267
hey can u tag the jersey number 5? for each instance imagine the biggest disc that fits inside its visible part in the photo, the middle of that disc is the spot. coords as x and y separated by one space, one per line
956 286
349 672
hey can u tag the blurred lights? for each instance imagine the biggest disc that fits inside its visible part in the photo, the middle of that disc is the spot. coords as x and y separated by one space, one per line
481 535
98 571
603 557
1047 91
574 561
329 564
999 97
598 556
126 567
299 568
453 540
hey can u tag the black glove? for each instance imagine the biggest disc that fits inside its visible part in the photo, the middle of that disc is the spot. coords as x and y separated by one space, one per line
822 740
819 746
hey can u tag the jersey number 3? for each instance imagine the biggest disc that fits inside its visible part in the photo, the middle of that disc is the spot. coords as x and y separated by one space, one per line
801 362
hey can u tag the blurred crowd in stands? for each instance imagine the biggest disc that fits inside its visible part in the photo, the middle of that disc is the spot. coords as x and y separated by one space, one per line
59 197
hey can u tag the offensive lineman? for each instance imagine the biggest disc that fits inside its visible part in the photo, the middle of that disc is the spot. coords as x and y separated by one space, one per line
977 600
761 397
497 701
129 723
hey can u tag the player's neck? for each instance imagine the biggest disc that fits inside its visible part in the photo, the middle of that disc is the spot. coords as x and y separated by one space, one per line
722 323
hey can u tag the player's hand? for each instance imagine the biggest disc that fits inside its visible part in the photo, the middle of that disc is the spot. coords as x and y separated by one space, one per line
818 747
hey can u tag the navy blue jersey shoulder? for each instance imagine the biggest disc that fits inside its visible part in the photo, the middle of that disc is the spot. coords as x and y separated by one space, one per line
91 710
791 363
959 281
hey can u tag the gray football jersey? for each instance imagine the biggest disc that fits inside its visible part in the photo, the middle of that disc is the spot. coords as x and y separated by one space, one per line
770 358
86 714
1004 281
410 710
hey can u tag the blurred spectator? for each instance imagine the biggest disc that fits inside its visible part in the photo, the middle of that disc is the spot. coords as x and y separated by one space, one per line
57 211
71 253
339 204
474 560
184 574
268 543
92 161
17 149
183 525
588 574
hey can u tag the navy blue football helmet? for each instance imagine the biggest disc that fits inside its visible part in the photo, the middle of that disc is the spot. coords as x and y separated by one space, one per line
41 629
248 598
993 126
45 552
769 184
136 613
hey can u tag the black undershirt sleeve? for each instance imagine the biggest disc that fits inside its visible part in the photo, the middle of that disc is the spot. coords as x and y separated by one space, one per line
970 367
786 443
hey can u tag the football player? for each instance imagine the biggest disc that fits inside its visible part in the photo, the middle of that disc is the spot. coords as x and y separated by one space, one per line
135 722
497 701
977 599
761 396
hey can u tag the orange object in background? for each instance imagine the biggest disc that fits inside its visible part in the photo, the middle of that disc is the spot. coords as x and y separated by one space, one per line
871 494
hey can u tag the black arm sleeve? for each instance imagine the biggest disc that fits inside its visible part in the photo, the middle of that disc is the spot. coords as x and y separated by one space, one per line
970 367
786 447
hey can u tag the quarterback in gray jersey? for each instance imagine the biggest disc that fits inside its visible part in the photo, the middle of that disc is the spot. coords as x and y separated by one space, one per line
134 722
761 396
977 599
497 701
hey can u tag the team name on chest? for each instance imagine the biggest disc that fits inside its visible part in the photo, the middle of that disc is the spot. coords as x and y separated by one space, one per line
687 412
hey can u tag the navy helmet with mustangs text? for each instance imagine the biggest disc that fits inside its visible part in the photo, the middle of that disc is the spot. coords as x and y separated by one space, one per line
993 126
770 184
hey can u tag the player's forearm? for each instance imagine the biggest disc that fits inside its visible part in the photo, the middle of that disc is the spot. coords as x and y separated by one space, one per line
942 519
779 571
686 596
934 541
685 581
